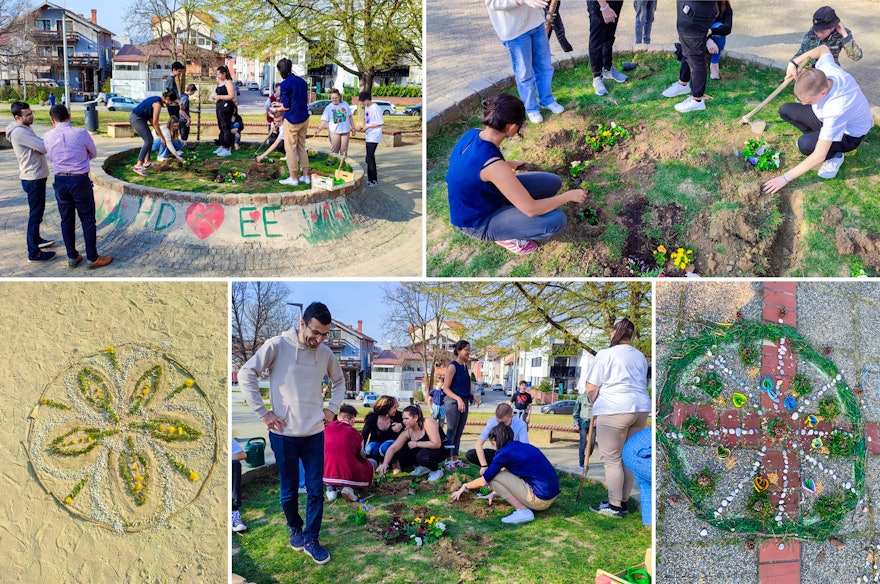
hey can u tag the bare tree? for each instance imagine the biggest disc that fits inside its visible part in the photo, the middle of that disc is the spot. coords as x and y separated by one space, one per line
418 311
17 26
259 312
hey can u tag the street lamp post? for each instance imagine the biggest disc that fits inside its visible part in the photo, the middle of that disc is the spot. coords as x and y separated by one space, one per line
300 307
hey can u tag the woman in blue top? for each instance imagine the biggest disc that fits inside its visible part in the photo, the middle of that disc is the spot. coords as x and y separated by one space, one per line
145 113
457 387
487 200
520 474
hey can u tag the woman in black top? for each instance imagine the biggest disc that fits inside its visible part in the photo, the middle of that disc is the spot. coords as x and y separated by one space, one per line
381 428
224 94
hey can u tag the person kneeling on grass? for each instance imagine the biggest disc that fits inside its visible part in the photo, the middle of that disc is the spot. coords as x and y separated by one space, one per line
487 200
420 445
520 474
345 464
833 115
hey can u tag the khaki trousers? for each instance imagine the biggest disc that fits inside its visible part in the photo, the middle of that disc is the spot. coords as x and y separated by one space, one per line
507 484
612 432
295 147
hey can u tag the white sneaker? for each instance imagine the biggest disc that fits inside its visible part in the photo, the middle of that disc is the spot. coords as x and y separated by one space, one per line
331 494
305 179
535 117
554 108
237 524
419 471
615 75
224 152
217 151
519 516
349 494
599 86
302 491
831 166
435 475
690 105
677 89
290 181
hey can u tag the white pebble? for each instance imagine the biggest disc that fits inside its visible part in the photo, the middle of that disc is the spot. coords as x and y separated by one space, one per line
704 532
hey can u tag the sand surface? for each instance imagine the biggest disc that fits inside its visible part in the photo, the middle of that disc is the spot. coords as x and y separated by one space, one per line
52 330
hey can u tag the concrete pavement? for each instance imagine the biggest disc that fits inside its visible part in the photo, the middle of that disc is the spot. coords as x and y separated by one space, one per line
466 62
387 241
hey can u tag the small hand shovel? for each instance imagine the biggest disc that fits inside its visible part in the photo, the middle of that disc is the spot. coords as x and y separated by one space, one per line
759 126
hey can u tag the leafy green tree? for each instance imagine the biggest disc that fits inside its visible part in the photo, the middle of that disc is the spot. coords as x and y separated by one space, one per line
375 34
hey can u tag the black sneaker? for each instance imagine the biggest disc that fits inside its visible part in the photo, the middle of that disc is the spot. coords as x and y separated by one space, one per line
607 510
43 256
44 243
624 507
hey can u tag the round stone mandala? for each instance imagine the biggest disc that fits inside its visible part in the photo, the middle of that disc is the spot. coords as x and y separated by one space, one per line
761 432
124 438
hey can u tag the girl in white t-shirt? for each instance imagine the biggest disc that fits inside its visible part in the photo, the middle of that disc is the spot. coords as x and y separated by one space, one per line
617 387
337 119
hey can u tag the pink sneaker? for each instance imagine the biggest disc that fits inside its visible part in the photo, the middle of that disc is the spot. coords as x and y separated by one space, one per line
518 246
140 170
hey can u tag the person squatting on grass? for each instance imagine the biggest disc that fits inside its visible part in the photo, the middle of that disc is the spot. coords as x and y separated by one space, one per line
520 26
827 30
694 24
520 474
298 361
457 387
503 415
617 388
171 144
487 200
293 101
603 27
833 115
381 427
420 446
224 96
337 119
144 114
345 464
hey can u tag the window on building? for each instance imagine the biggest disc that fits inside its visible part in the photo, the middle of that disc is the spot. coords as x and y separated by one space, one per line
536 361
44 25
335 334
45 51
295 59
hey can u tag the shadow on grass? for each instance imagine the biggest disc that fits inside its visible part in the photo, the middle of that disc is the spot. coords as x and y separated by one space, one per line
565 543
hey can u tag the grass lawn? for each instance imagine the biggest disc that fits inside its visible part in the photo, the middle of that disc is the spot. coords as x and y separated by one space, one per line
201 172
675 182
565 543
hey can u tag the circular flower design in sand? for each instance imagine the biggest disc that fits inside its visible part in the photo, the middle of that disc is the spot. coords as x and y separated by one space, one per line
124 438
778 452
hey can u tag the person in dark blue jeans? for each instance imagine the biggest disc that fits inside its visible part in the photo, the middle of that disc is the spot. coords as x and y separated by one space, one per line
487 200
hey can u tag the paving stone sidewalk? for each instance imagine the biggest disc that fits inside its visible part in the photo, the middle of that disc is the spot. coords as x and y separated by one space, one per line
388 244
465 57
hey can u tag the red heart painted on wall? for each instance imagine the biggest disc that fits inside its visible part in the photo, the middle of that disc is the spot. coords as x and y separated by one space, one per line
204 219
254 215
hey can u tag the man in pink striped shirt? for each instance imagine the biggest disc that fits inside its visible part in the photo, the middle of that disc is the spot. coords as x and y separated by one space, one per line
71 151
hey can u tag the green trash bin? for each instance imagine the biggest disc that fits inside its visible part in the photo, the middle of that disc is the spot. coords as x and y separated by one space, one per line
255 448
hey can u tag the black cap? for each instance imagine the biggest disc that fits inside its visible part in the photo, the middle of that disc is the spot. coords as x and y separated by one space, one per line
825 18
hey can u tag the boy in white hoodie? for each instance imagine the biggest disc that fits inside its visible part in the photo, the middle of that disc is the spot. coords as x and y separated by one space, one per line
33 171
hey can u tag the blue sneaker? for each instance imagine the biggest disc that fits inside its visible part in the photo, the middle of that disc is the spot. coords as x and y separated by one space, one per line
318 552
296 538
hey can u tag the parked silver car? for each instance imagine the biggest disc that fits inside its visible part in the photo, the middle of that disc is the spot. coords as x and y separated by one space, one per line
121 104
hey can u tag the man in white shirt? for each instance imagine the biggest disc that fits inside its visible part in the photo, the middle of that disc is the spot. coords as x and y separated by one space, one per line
834 116
503 415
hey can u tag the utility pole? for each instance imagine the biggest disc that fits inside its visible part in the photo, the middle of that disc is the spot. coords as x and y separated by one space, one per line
64 48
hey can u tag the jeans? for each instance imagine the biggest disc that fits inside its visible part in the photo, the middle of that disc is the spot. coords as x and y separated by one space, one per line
288 452
139 125
76 197
36 195
644 21
163 151
508 222
372 172
582 443
455 422
637 455
377 450
236 485
720 41
601 36
184 129
804 119
530 56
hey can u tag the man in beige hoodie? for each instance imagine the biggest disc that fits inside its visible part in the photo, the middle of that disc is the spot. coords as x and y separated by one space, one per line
297 362
33 171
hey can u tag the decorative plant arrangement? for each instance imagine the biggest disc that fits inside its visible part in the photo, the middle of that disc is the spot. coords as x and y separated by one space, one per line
703 484
748 355
577 168
682 258
709 382
694 429
233 176
829 408
760 155
148 422
801 385
360 516
606 136
425 531
840 443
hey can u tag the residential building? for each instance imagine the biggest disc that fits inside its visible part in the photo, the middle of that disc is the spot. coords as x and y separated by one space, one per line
398 373
89 50
139 71
354 350
194 28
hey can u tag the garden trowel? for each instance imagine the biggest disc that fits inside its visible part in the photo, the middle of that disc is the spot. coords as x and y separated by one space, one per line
758 126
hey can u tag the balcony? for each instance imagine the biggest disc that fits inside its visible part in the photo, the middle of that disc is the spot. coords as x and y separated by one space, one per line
563 371
54 36
336 343
77 61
